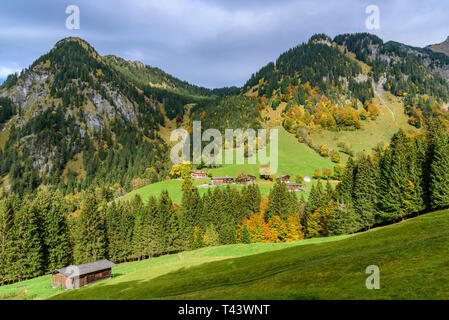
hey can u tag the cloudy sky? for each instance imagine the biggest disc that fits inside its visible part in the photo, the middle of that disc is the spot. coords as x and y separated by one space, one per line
212 43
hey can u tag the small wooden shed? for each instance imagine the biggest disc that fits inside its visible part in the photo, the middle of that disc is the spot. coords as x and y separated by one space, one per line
294 187
76 276
284 178
198 175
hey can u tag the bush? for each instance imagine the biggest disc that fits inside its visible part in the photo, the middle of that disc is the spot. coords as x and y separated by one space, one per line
317 173
335 157
327 173
338 171
299 179
324 150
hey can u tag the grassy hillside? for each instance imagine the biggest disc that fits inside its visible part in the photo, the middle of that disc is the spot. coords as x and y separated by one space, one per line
40 288
390 120
412 257
294 158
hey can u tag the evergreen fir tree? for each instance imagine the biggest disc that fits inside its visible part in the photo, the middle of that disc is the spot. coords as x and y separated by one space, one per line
246 237
191 209
144 236
365 191
53 208
26 252
439 165
394 178
6 221
280 202
163 222
90 235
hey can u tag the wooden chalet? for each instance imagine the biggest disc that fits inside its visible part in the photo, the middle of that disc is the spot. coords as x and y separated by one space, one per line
218 181
76 276
246 178
198 175
284 178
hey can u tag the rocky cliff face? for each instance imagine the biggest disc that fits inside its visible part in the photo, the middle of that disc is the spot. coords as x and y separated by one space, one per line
442 47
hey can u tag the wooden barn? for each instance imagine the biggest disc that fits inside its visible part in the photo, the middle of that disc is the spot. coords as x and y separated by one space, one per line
76 276
294 187
284 178
198 175
218 181
265 172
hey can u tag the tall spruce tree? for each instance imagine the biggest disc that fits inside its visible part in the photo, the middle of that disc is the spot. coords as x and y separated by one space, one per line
90 244
365 191
26 252
145 236
394 178
191 210
343 217
164 223
281 202
439 165
53 208
112 221
6 221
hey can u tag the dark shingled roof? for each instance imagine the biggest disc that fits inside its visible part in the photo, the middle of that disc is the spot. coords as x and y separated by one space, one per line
85 268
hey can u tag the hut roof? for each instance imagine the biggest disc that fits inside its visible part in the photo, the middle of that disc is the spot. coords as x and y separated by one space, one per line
265 171
85 268
214 178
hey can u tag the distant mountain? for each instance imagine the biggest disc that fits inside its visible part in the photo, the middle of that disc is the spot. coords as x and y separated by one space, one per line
442 47
145 75
77 121
331 83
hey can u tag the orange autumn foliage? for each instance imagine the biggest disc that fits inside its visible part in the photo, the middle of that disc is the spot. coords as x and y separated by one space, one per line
276 230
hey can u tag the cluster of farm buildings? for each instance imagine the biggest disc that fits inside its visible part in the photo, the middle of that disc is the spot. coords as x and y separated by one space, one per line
242 179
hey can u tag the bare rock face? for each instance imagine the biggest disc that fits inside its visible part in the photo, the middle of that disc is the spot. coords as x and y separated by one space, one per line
442 47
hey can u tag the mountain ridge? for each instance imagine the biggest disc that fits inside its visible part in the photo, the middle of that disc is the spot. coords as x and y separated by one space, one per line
73 103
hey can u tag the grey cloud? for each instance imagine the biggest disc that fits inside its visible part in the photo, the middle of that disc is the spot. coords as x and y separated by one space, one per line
211 43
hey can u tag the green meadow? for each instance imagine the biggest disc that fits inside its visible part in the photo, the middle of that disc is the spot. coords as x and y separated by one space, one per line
293 158
411 256
40 288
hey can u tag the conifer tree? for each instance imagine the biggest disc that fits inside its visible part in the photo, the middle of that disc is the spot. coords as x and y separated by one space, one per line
164 222
174 233
281 202
343 218
6 221
439 164
90 235
365 191
246 237
144 236
394 178
53 208
26 246
211 237
191 208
